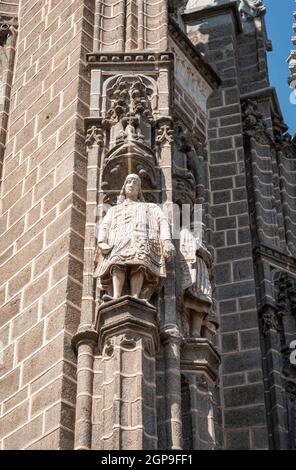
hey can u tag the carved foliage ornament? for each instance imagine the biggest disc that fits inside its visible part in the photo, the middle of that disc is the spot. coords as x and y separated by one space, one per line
270 321
129 104
130 96
286 294
253 120
165 132
129 342
94 136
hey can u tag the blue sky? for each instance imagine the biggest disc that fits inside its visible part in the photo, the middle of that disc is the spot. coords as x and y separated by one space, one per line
279 20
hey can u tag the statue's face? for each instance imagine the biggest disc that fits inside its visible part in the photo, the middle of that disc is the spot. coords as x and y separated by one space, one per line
132 187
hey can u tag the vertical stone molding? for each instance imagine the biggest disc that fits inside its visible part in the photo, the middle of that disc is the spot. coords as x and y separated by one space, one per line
126 25
85 339
128 340
171 340
8 37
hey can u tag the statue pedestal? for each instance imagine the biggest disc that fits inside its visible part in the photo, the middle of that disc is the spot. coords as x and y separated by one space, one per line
199 367
199 355
128 339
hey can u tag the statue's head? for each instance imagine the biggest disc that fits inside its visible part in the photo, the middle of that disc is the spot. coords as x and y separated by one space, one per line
132 189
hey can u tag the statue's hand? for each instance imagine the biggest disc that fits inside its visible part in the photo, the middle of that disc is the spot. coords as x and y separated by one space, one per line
168 250
104 248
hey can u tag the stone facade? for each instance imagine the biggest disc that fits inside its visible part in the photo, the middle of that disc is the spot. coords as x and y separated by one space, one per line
176 92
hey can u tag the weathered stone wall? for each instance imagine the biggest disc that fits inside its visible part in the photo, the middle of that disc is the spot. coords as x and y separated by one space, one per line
242 396
42 223
250 153
51 185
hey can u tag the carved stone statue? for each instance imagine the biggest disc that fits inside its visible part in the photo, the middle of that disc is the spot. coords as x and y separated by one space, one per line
195 282
251 9
134 241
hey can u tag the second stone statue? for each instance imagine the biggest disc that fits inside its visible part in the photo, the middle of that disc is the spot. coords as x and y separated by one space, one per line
134 242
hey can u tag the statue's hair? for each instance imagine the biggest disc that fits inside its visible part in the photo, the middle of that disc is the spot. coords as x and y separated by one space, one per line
122 195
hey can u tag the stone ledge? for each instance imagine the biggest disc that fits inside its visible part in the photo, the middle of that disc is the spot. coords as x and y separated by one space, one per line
275 257
126 315
85 335
129 58
199 355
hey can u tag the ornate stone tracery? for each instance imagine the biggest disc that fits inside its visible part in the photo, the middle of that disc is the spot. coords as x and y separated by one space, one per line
130 96
140 156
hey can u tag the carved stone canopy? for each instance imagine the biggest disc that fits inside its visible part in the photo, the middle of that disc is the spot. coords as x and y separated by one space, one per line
130 106
130 156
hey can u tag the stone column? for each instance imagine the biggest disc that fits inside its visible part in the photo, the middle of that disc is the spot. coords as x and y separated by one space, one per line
128 340
171 340
86 338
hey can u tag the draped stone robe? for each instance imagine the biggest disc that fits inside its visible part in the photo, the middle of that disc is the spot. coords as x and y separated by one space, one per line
136 232
195 278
